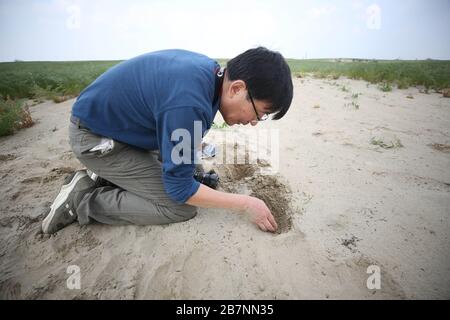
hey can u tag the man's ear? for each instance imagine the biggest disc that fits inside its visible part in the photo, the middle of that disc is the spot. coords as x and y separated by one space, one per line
236 87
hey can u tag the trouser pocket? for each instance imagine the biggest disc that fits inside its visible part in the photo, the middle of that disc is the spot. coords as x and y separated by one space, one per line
87 144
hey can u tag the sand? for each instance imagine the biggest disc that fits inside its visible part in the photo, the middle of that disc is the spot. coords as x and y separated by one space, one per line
358 184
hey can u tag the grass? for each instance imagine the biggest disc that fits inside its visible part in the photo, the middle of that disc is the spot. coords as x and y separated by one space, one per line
219 126
355 105
385 86
48 80
354 100
345 89
396 143
57 80
14 115
432 74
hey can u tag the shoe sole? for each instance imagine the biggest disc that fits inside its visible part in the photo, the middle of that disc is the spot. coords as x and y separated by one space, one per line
61 198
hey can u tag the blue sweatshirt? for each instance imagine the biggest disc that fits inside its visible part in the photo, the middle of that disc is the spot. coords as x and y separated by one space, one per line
141 102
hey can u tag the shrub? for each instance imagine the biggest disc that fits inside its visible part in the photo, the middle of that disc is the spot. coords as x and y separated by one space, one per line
14 115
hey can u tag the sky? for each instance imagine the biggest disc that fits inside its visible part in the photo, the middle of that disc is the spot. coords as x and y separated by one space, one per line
59 30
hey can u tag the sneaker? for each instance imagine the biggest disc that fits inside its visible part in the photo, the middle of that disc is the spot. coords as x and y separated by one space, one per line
62 211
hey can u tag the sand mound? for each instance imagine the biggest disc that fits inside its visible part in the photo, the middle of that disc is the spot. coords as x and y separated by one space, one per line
247 179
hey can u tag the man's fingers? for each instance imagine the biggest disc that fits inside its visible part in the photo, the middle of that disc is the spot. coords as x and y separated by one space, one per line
262 227
272 221
269 226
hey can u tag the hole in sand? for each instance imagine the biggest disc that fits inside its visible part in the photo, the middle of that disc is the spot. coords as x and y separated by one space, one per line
247 179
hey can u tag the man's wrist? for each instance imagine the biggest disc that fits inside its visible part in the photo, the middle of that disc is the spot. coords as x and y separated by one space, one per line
240 203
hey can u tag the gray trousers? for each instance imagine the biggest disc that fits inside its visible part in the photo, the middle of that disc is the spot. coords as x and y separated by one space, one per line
140 198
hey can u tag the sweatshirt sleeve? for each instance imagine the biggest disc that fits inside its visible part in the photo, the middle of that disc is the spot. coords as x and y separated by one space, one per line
177 144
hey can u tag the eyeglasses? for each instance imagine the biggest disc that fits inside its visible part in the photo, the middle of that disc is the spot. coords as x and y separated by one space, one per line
265 115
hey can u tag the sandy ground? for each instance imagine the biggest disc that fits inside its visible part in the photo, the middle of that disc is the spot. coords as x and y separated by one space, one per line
344 201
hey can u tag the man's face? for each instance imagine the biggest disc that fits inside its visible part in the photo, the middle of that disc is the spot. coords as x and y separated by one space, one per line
236 108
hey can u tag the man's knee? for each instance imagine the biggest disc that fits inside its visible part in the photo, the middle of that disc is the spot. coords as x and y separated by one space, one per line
183 213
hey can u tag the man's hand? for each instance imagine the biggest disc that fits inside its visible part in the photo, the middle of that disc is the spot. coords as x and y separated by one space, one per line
260 214
257 210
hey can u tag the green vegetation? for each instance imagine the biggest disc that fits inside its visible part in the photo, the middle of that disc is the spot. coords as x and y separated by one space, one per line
48 80
14 114
56 80
385 86
396 143
354 103
432 74
344 89
219 126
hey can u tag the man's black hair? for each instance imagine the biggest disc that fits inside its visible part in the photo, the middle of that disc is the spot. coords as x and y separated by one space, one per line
267 76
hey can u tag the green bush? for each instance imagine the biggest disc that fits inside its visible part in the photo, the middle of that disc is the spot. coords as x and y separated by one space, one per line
385 87
11 116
